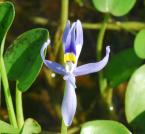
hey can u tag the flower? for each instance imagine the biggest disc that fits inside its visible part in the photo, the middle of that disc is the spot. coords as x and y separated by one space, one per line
72 45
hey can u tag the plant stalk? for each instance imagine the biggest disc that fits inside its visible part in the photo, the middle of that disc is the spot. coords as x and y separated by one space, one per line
63 128
0 90
106 94
64 13
99 48
117 26
19 107
7 93
63 20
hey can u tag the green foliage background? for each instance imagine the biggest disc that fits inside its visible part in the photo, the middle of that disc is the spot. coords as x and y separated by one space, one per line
42 102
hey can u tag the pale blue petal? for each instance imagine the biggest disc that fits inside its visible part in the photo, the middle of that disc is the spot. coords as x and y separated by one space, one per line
79 38
69 103
79 32
92 67
57 68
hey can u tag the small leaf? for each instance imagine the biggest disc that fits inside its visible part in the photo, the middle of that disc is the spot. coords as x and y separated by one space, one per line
139 44
121 66
6 128
31 127
22 59
135 99
104 127
7 13
115 7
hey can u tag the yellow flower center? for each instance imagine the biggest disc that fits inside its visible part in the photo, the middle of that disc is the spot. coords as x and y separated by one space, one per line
69 57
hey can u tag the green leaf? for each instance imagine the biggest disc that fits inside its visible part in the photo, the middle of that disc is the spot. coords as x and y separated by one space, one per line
121 66
139 44
22 59
7 14
6 128
115 7
135 99
104 127
31 127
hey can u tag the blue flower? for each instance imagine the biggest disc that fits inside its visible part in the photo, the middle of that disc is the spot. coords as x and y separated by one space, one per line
72 45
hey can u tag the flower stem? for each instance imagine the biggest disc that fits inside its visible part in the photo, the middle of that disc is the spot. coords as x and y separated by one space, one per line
19 107
59 33
106 94
63 128
64 13
63 20
99 48
7 94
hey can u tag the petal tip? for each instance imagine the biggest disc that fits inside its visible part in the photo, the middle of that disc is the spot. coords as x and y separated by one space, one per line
78 21
48 41
44 47
68 23
66 118
108 49
79 24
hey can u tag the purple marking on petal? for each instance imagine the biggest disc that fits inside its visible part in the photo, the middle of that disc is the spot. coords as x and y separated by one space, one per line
70 41
65 34
92 67
73 39
69 103
57 68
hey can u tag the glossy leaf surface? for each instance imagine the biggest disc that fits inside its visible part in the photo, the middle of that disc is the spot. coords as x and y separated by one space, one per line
7 14
31 127
135 99
104 127
115 7
139 44
121 66
6 128
22 59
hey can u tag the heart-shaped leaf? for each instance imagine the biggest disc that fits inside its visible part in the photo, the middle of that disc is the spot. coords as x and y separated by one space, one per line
128 62
115 7
31 127
135 99
139 44
22 59
7 14
104 127
6 128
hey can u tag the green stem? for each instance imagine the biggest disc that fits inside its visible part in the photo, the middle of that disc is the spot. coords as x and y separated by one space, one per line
7 93
117 26
19 107
99 48
63 20
63 128
58 41
0 90
64 13
101 37
106 94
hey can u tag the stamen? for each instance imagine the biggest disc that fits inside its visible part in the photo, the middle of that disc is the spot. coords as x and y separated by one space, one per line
69 57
